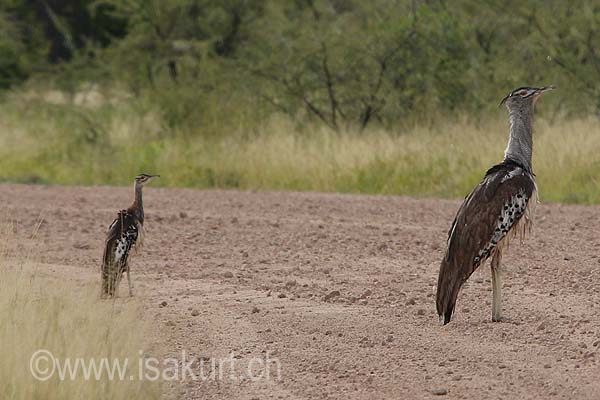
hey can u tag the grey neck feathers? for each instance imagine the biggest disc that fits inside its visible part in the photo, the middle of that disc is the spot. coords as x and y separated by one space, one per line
520 141
138 204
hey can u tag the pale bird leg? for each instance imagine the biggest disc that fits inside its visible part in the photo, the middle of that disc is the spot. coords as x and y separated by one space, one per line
496 288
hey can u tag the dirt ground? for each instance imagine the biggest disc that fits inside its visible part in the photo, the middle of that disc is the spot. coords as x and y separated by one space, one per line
339 289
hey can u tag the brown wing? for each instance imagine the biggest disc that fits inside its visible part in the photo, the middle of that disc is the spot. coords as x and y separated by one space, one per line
490 212
121 237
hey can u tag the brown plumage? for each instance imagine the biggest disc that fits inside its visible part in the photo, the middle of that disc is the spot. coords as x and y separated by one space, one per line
123 235
476 235
496 210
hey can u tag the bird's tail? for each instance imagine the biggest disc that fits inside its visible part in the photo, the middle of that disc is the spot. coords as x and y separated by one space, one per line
107 281
449 284
110 277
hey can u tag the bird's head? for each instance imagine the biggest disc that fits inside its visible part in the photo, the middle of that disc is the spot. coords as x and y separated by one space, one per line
142 179
524 97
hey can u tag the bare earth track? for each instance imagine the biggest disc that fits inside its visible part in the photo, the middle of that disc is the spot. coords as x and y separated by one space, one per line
339 288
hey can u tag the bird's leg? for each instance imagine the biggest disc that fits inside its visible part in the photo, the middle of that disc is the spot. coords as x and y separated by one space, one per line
129 283
496 288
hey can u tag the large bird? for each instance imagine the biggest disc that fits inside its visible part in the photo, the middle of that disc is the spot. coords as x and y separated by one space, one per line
497 209
122 236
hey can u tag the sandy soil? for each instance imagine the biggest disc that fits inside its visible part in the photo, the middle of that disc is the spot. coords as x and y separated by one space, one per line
339 289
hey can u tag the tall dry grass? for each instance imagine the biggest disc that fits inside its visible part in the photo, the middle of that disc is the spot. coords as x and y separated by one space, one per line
69 144
41 311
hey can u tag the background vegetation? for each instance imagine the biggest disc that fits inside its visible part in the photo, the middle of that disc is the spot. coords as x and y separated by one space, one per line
385 96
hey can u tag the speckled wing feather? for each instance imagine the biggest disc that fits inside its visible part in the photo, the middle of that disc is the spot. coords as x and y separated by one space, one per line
493 212
121 237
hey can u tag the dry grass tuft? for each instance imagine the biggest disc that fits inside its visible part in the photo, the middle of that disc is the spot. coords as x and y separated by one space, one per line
39 311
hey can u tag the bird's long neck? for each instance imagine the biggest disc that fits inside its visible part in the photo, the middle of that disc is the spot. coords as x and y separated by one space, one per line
520 141
138 205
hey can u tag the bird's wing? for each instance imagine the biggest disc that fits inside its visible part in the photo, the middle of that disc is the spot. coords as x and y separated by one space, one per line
493 210
121 236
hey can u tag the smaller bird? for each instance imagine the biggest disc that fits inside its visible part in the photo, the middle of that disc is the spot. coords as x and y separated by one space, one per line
122 236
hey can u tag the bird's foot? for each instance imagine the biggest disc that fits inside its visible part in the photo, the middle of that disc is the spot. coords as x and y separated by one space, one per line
505 320
499 318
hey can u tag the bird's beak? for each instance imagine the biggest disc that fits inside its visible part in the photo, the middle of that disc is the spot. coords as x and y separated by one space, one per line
544 89
541 90
503 100
151 177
